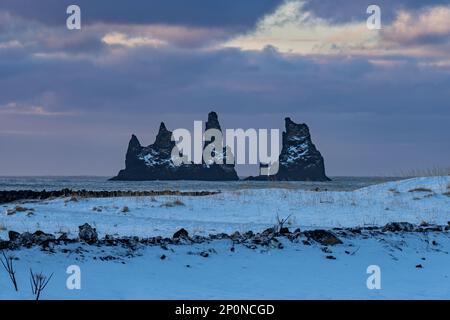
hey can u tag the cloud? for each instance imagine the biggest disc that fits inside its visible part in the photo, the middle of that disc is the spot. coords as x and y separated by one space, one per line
193 13
10 44
292 29
122 75
13 108
422 34
116 38
345 11
428 26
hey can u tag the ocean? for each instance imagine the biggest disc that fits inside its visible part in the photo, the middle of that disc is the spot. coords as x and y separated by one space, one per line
102 184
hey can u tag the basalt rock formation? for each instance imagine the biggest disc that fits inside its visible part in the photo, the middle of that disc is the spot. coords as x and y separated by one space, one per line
299 159
154 162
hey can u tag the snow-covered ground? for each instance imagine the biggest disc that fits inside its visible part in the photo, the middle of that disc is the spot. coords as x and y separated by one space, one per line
296 272
241 210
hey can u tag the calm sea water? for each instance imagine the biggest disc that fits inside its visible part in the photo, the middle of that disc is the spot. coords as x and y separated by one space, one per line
102 184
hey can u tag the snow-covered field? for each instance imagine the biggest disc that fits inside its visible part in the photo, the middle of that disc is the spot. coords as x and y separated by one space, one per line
296 272
242 210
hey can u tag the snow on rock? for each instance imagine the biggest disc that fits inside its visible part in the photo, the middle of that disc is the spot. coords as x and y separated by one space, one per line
154 162
299 159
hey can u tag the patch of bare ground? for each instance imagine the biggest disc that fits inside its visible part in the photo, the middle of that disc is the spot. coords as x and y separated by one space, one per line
420 189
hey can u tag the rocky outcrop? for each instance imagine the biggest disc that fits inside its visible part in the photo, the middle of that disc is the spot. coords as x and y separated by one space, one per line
182 233
252 240
155 161
211 170
399 227
323 237
87 234
299 159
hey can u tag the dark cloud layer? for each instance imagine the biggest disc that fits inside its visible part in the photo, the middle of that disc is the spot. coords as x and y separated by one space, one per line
205 13
368 108
154 80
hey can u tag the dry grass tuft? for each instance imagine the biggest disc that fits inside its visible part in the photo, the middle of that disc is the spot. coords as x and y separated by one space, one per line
171 204
16 209
394 191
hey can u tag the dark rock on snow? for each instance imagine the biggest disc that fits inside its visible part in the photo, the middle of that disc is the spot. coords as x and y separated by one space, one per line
182 233
87 234
267 238
399 226
323 237
40 237
4 244
13 236
28 239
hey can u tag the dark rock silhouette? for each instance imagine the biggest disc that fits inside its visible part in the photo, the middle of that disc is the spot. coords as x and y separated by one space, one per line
73 195
299 159
155 161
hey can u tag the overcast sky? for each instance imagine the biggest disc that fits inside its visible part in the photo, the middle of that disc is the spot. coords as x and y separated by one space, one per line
377 101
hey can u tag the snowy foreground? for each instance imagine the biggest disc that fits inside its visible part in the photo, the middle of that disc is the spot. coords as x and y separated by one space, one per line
297 271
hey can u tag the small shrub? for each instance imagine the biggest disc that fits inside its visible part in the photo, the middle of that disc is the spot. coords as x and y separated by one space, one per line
281 222
8 265
38 283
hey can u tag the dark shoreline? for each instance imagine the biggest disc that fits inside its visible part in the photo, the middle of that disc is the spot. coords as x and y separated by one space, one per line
17 195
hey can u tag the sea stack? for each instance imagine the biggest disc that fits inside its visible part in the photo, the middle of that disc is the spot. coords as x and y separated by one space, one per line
154 162
299 159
